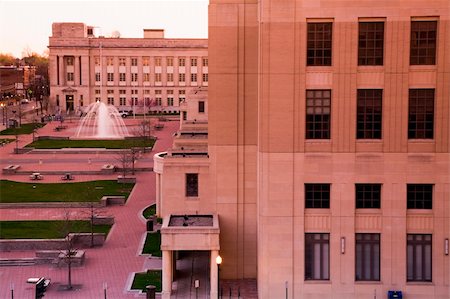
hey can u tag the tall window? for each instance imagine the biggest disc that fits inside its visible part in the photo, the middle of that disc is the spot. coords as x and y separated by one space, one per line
318 110
169 61
122 77
122 61
421 114
134 77
181 61
170 101
169 77
319 44
146 61
110 77
157 61
109 61
369 114
69 60
181 77
368 196
158 77
97 60
371 43
194 77
97 77
317 196
201 107
419 262
134 61
205 77
146 77
423 43
122 97
205 61
367 255
191 184
419 196
193 61
317 256
69 76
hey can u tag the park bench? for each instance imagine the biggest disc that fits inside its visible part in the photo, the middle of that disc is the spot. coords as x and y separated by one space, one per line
36 176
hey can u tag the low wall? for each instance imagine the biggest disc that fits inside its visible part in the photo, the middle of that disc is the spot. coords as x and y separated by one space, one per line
104 201
82 240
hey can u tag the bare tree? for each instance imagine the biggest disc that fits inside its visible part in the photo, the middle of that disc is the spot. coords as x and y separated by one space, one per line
70 249
92 211
125 160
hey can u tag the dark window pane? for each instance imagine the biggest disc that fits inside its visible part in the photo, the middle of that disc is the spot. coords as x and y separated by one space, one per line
420 196
317 257
421 114
191 184
419 257
319 44
317 196
423 43
370 43
369 114
318 108
368 196
367 257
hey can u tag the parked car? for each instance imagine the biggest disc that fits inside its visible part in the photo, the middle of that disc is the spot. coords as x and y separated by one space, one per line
24 101
125 113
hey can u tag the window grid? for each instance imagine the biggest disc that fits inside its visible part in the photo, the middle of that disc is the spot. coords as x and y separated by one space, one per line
318 108
421 114
122 61
191 184
368 196
367 255
423 43
419 257
371 43
201 107
319 44
317 196
317 256
419 196
122 77
369 114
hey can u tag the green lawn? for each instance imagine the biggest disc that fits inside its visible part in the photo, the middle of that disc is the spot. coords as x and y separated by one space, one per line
110 144
24 129
47 229
143 279
16 192
149 211
153 244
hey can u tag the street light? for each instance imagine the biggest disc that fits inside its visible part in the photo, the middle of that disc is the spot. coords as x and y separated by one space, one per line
218 262
3 113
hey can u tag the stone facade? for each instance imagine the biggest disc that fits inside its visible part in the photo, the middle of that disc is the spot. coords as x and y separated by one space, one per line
140 74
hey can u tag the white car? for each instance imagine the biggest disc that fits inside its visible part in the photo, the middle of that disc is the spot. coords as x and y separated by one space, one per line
125 113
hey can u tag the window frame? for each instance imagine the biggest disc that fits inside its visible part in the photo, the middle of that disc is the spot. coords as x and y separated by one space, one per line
374 59
426 200
421 123
419 43
191 185
374 244
369 118
312 200
316 45
317 127
323 242
413 242
364 204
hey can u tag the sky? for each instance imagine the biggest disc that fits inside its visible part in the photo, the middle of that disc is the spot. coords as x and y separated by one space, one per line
26 25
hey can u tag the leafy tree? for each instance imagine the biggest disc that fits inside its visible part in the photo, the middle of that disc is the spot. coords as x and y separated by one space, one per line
7 59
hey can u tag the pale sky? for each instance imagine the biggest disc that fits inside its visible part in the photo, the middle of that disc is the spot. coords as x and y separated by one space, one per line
28 24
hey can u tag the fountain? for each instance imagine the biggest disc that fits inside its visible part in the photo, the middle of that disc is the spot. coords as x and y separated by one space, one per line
101 122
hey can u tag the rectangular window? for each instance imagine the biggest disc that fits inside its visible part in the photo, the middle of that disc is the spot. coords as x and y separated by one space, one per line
181 61
419 260
368 196
122 77
146 77
423 43
122 61
319 44
371 43
193 77
317 256
318 110
134 77
69 60
146 61
419 196
205 77
169 61
122 97
317 196
421 114
134 61
201 107
205 61
158 77
157 61
97 61
193 61
169 77
69 76
109 61
169 101
182 77
97 91
97 77
158 91
369 114
191 184
81 100
158 101
169 91
110 101
367 256
110 77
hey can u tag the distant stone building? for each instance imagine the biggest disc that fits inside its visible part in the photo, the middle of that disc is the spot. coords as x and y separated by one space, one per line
140 74
15 80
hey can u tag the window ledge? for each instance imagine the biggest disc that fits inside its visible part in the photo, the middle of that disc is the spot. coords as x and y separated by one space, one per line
420 283
368 211
423 68
370 68
312 281
418 212
430 140
192 198
363 282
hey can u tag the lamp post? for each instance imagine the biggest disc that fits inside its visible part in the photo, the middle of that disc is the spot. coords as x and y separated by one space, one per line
218 262
105 287
3 113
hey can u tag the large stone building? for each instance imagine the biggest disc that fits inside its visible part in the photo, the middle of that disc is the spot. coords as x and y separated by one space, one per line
139 74
327 162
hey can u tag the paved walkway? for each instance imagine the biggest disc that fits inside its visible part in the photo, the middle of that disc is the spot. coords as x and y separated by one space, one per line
113 263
